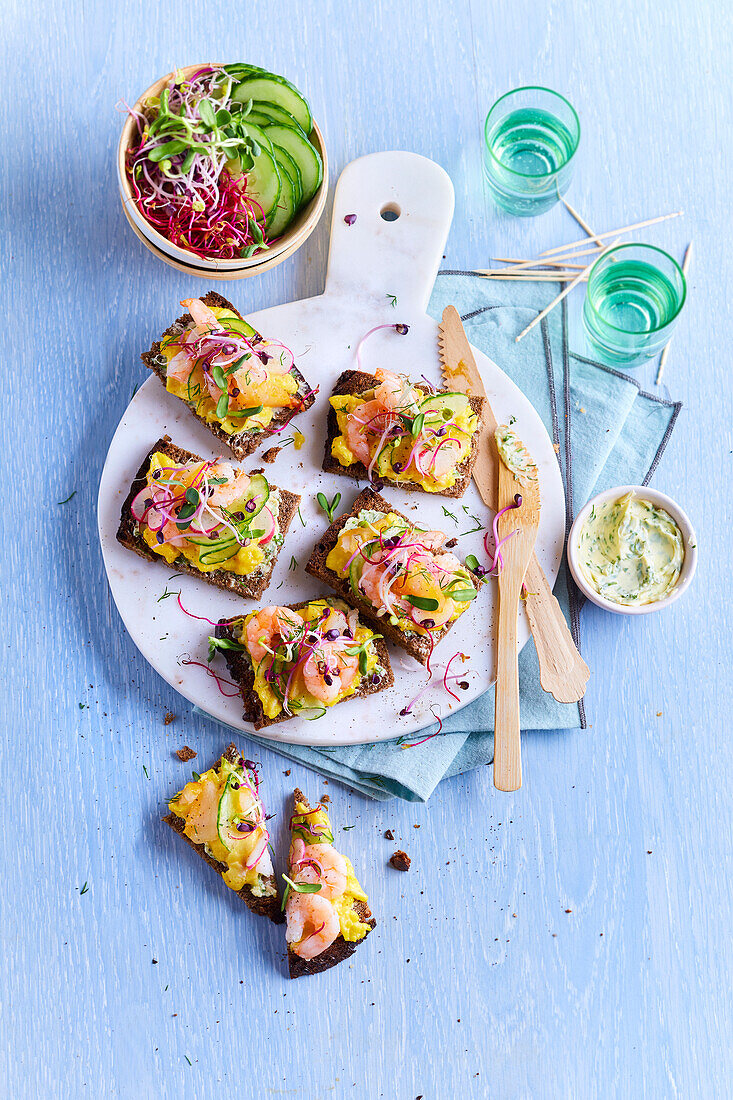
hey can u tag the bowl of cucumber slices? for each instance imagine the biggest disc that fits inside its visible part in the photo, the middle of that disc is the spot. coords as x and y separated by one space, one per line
222 169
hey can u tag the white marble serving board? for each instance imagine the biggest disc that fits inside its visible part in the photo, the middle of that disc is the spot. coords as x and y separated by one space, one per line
368 261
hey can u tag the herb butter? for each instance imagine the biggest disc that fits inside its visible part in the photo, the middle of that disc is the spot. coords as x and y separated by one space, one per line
630 551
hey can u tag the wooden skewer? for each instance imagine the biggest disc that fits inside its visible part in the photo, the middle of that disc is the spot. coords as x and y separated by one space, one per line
665 349
561 249
537 263
583 224
521 264
563 294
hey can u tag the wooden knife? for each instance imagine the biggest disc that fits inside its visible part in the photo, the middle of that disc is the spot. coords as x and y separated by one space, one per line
563 672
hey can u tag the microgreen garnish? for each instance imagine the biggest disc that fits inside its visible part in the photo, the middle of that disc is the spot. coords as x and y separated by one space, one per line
423 603
222 405
473 563
417 424
392 300
512 420
293 563
84 889
196 776
70 497
215 644
300 517
347 827
247 412
83 706
299 887
137 387
329 509
186 1057
462 595
450 514
146 772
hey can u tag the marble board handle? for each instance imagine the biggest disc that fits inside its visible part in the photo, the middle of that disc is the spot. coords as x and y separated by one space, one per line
398 255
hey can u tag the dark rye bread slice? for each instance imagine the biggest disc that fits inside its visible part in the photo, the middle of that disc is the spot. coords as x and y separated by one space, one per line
418 646
242 672
354 382
264 906
340 949
250 587
245 442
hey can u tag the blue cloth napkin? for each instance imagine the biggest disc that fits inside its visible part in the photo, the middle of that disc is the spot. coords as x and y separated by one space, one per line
606 432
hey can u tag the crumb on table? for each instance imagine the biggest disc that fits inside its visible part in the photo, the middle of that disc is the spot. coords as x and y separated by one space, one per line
400 861
169 717
186 753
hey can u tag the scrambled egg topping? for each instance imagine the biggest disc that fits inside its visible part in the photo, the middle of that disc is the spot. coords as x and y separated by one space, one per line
352 929
276 393
200 805
271 702
245 561
365 529
463 425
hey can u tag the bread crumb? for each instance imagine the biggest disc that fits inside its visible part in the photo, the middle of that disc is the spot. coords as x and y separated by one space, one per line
388 834
186 753
287 772
271 455
400 861
169 717
326 798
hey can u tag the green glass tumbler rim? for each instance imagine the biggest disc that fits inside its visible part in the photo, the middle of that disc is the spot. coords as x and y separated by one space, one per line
649 248
532 88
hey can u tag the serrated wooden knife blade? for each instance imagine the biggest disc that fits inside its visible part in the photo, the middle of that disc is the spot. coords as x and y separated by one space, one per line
461 373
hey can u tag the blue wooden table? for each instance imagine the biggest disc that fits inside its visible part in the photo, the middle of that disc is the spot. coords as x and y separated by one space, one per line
572 941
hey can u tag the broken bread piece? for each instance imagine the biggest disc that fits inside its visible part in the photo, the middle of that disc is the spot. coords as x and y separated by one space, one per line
220 814
326 910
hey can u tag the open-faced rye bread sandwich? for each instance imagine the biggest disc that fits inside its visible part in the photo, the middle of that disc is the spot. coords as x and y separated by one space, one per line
220 814
206 518
384 428
242 386
301 659
326 910
400 577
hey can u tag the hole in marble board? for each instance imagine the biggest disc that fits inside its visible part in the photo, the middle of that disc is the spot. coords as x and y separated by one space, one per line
390 212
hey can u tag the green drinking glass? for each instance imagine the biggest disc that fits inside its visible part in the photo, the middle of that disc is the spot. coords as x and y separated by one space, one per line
634 296
531 136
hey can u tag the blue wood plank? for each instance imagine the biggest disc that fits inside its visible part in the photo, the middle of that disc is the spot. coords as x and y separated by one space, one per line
572 940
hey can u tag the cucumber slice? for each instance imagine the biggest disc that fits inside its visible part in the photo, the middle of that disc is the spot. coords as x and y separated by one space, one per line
286 204
268 88
220 553
256 133
258 494
273 113
303 153
258 118
231 813
241 328
440 407
284 160
264 183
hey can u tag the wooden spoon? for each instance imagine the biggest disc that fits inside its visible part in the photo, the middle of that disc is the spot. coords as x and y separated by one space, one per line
521 523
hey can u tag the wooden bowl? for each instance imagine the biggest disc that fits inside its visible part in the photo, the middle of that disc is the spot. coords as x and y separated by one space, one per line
182 258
